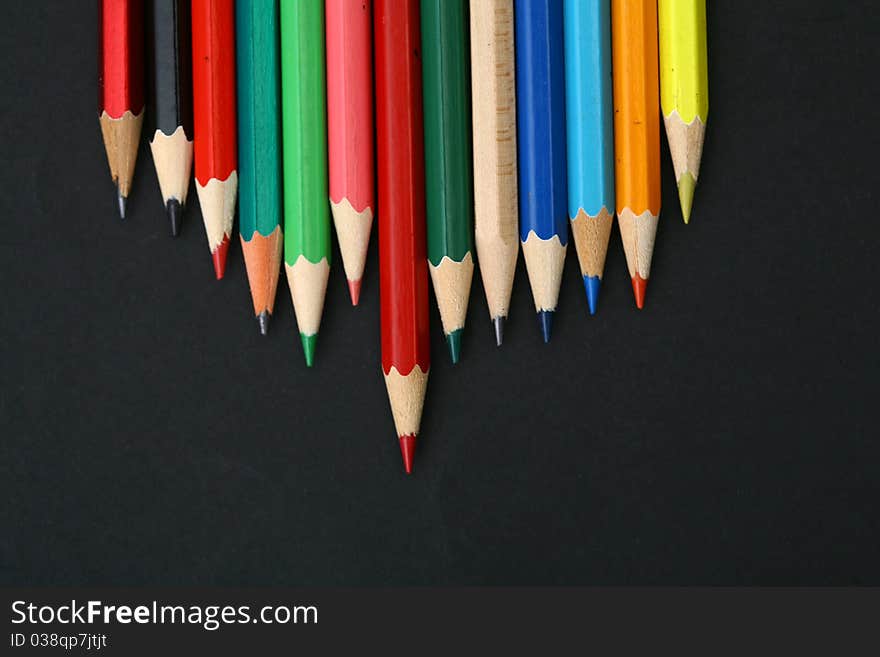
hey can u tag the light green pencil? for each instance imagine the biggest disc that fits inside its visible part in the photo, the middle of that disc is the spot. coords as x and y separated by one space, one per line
304 129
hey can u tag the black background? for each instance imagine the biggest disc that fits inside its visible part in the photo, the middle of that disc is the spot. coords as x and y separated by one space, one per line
724 435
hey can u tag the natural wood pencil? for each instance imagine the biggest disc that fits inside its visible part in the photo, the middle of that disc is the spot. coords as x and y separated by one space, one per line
496 219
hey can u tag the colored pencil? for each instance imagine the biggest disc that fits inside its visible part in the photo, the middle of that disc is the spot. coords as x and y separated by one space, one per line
216 158
350 132
540 118
448 176
636 133
403 271
589 130
494 132
304 127
121 88
259 150
170 102
684 90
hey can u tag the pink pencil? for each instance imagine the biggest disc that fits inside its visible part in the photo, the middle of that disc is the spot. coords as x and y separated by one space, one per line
350 132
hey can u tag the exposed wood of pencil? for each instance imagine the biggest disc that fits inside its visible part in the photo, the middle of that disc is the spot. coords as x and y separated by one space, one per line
406 393
684 90
121 141
545 260
636 133
403 270
308 285
353 234
217 199
262 258
591 238
494 132
350 132
686 146
452 285
172 156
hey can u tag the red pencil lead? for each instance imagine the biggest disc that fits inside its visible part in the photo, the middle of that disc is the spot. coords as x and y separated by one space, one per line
354 289
407 451
219 257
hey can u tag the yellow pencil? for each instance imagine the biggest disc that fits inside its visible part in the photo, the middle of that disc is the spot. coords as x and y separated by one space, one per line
684 89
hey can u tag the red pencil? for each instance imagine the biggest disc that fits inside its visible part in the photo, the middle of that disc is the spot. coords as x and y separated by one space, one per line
350 132
403 272
121 88
214 121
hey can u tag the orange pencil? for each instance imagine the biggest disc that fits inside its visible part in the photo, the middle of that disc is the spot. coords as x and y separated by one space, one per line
636 133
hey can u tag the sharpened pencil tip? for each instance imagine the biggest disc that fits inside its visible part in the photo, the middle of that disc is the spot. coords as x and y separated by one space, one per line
175 212
407 450
639 286
545 318
218 256
354 289
592 285
453 341
498 323
686 185
308 343
121 200
263 318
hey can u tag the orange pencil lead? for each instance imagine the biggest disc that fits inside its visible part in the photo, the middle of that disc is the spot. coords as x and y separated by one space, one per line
639 286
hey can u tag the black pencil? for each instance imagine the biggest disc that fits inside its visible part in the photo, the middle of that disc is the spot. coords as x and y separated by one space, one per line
169 84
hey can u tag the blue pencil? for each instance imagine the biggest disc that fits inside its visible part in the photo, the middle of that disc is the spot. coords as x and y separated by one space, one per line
540 121
589 131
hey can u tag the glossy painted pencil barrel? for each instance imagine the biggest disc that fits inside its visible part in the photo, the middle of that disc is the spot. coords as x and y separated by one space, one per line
540 117
589 133
636 133
121 88
169 99
403 269
448 175
493 87
304 129
350 132
259 150
214 119
684 90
